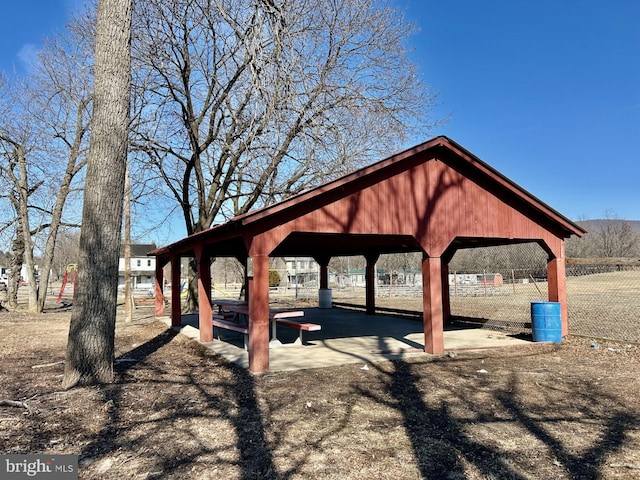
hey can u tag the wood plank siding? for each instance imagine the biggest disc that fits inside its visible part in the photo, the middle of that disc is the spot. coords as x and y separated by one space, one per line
435 198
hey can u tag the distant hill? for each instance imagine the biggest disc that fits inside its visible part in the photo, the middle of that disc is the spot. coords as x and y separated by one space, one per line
598 223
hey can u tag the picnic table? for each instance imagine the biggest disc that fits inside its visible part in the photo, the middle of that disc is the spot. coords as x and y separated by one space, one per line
234 314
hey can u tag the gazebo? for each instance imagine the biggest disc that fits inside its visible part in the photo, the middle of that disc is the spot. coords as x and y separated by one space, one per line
434 198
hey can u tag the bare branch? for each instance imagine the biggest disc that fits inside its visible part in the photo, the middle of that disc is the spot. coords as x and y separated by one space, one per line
246 102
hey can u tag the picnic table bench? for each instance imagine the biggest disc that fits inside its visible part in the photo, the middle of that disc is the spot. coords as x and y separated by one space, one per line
233 314
302 327
222 321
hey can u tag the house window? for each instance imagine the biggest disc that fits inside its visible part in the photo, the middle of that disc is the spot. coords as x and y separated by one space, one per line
138 263
149 263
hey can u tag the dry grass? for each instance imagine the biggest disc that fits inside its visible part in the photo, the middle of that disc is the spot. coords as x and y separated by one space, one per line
603 305
179 411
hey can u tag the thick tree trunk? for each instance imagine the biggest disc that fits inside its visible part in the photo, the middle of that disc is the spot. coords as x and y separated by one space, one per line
22 209
90 348
29 263
32 283
17 254
192 285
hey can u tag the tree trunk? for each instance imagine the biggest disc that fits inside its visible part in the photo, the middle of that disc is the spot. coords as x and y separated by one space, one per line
192 286
22 209
32 283
90 347
56 220
30 269
13 282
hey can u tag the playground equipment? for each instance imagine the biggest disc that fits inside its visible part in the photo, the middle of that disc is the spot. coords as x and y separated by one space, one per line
72 268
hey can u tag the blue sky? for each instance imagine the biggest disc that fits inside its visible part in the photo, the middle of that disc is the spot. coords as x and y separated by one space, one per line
545 91
23 24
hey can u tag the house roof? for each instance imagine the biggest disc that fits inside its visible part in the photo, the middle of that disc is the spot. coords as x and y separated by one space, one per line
472 183
139 249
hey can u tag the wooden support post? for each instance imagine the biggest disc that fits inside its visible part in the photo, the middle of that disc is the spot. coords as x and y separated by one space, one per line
446 300
244 292
323 262
557 287
159 287
371 281
432 305
324 276
203 263
557 277
176 304
325 296
259 314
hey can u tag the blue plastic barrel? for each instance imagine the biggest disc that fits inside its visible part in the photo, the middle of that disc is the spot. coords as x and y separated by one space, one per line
546 322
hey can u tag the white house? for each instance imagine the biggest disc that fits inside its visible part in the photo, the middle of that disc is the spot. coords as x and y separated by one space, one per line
302 270
143 268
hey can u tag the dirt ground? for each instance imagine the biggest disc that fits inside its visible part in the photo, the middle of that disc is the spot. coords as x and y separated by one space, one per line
177 410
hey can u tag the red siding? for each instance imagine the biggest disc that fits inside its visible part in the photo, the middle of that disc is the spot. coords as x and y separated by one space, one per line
431 201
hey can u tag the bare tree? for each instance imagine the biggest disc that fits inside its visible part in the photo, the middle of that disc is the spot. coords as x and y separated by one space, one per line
580 247
45 142
247 102
90 347
64 87
520 260
615 237
250 101
608 237
400 263
15 267
66 251
16 145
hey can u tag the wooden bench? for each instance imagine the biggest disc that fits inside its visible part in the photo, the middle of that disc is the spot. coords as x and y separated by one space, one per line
148 301
301 327
144 301
221 321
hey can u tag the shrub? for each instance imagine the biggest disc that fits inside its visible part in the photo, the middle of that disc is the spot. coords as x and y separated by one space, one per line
274 278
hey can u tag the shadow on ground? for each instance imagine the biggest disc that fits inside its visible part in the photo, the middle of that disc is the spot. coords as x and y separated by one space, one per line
180 410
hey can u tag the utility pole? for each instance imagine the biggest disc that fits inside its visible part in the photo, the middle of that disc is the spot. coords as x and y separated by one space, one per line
128 297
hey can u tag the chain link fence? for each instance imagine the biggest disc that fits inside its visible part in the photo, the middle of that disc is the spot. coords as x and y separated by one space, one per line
494 287
603 298
604 301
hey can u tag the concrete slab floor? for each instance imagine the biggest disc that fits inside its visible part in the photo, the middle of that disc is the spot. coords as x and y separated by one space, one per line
348 337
